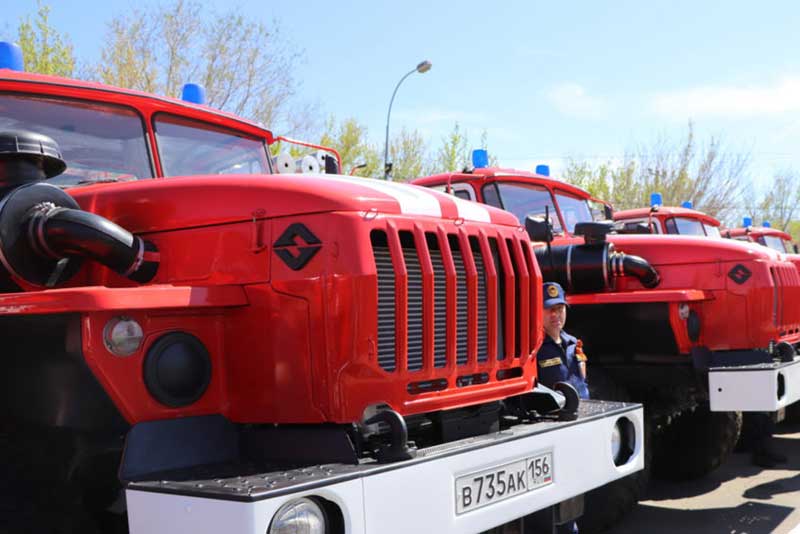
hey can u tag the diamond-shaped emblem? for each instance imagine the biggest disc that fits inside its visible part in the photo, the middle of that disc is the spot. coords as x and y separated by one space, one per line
739 274
296 254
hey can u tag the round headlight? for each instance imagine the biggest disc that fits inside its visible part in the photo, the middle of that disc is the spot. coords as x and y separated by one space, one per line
122 336
300 516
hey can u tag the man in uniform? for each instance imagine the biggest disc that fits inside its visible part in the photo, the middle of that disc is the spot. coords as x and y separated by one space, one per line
561 358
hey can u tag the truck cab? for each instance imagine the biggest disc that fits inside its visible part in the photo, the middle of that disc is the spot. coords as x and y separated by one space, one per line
198 342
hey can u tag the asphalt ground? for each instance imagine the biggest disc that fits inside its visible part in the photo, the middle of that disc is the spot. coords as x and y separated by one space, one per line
737 498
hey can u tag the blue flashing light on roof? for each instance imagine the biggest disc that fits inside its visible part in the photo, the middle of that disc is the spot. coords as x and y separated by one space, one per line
480 158
194 93
687 204
656 200
766 224
11 56
747 221
543 170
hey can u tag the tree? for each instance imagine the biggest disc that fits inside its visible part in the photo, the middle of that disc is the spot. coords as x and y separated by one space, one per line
715 180
453 155
407 152
350 139
245 67
45 50
780 205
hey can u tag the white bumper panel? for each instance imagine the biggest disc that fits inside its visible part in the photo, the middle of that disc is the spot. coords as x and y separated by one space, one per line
754 388
417 495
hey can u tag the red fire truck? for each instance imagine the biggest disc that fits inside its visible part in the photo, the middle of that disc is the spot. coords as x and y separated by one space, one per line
686 326
197 343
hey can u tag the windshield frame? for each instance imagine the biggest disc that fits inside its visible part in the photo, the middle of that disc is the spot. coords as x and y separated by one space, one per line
77 102
555 215
183 121
765 240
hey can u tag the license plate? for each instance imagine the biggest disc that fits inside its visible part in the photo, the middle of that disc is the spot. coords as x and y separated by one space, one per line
502 482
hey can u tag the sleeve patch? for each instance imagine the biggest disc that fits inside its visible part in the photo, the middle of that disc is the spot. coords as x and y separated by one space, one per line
550 363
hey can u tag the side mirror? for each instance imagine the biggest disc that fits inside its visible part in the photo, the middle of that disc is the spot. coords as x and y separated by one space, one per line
608 212
796 250
539 229
331 165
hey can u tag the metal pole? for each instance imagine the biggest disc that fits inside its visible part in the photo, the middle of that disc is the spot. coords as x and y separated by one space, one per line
388 115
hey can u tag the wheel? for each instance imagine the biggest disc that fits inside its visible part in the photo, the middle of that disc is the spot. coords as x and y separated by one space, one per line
792 414
695 443
605 506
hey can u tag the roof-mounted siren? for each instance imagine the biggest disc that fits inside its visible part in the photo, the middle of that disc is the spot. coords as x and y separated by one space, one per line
656 201
766 224
194 93
543 170
747 221
480 158
310 164
11 56
687 204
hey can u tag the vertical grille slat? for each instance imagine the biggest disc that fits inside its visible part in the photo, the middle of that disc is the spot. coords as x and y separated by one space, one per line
415 307
439 303
386 301
461 301
483 304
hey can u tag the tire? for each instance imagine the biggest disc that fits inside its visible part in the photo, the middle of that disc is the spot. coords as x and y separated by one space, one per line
792 414
605 506
695 443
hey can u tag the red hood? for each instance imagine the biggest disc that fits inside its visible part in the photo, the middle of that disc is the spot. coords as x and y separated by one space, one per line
182 202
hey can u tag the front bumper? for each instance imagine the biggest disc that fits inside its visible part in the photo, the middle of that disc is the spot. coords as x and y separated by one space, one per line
417 495
763 387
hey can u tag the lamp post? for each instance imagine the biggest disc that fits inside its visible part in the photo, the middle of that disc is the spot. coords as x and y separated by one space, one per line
422 68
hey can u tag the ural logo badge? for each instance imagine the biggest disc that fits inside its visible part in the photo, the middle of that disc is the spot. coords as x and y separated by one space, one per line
740 274
293 253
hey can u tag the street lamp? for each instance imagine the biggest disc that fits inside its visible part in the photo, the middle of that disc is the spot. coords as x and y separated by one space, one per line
422 68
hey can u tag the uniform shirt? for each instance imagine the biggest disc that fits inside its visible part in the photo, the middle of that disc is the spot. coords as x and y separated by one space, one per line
562 363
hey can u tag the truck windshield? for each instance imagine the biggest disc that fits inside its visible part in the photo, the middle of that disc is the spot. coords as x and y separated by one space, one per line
773 242
188 147
99 142
684 226
522 200
574 210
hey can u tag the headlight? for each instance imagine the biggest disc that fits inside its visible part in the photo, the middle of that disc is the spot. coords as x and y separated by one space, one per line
122 336
301 516
623 441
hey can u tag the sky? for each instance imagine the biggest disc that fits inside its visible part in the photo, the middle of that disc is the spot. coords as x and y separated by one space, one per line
545 80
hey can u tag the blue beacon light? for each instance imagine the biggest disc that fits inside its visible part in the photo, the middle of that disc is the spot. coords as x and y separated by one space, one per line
656 200
747 221
194 93
543 170
766 224
480 158
11 56
687 204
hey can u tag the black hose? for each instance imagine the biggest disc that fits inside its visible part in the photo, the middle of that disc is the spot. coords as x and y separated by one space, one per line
56 232
624 264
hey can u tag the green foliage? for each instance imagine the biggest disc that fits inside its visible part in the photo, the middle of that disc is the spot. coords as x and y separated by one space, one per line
780 205
453 154
350 139
44 50
407 152
713 179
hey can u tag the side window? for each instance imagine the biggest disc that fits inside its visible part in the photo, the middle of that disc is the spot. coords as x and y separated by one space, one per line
672 228
491 196
462 193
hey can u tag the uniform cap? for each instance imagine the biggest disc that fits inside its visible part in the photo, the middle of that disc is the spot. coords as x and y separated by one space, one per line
553 294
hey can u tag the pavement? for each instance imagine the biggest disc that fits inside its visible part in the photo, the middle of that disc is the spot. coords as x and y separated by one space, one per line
737 498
